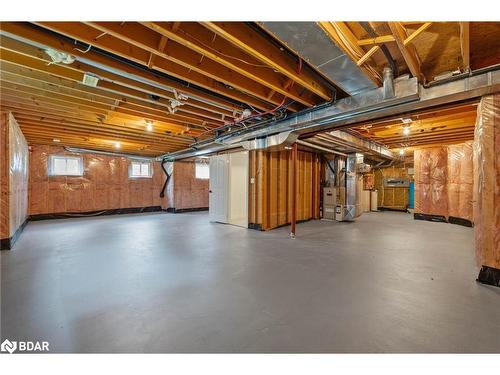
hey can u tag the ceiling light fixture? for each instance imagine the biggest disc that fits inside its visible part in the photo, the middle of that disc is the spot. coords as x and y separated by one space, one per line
402 151
149 125
57 140
118 145
406 130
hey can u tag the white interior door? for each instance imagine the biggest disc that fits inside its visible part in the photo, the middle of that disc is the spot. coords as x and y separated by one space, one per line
238 189
218 188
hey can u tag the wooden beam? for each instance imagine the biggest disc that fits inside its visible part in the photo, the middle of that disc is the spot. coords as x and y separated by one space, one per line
28 32
377 40
465 45
409 52
130 42
264 50
36 60
192 116
195 37
161 47
416 33
367 55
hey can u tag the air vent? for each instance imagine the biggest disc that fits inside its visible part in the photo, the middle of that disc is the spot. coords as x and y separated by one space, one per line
90 80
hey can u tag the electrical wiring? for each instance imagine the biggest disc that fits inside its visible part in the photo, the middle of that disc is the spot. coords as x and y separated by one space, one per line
221 53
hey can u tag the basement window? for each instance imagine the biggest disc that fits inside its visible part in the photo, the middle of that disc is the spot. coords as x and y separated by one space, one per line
202 170
140 169
65 165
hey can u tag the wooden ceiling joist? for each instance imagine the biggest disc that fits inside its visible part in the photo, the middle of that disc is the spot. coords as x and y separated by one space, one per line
72 89
62 76
28 32
262 49
188 67
407 50
194 36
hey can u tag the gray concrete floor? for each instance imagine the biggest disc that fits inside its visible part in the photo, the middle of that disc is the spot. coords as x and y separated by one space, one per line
176 283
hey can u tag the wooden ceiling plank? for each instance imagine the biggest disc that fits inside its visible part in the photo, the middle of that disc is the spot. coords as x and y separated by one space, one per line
139 129
25 30
75 128
89 102
263 50
192 40
183 56
108 90
190 73
28 56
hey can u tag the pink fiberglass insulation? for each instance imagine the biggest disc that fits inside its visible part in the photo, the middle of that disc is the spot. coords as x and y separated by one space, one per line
487 182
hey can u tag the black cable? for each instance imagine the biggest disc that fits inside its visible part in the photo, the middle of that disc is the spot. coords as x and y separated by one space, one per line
162 193
383 47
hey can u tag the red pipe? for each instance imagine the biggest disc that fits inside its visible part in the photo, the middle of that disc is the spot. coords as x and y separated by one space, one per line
294 191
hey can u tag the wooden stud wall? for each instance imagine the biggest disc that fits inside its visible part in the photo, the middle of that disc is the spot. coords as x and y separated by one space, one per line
393 198
270 198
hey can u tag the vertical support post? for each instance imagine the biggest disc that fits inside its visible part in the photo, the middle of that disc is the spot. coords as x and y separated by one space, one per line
294 191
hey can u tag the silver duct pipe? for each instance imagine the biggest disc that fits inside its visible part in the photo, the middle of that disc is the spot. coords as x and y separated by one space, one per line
271 142
312 145
368 105
107 153
310 42
352 207
388 83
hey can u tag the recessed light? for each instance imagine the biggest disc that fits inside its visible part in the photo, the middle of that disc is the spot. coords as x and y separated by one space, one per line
406 130
149 126
402 151
57 140
118 145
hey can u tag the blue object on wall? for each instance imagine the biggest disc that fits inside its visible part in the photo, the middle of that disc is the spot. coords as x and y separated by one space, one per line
412 194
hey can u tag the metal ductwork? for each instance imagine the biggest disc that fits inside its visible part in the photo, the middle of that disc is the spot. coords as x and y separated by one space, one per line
388 83
310 42
271 142
352 208
369 105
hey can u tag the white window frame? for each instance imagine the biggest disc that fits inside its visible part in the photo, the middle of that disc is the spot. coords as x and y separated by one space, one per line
206 166
141 163
52 169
